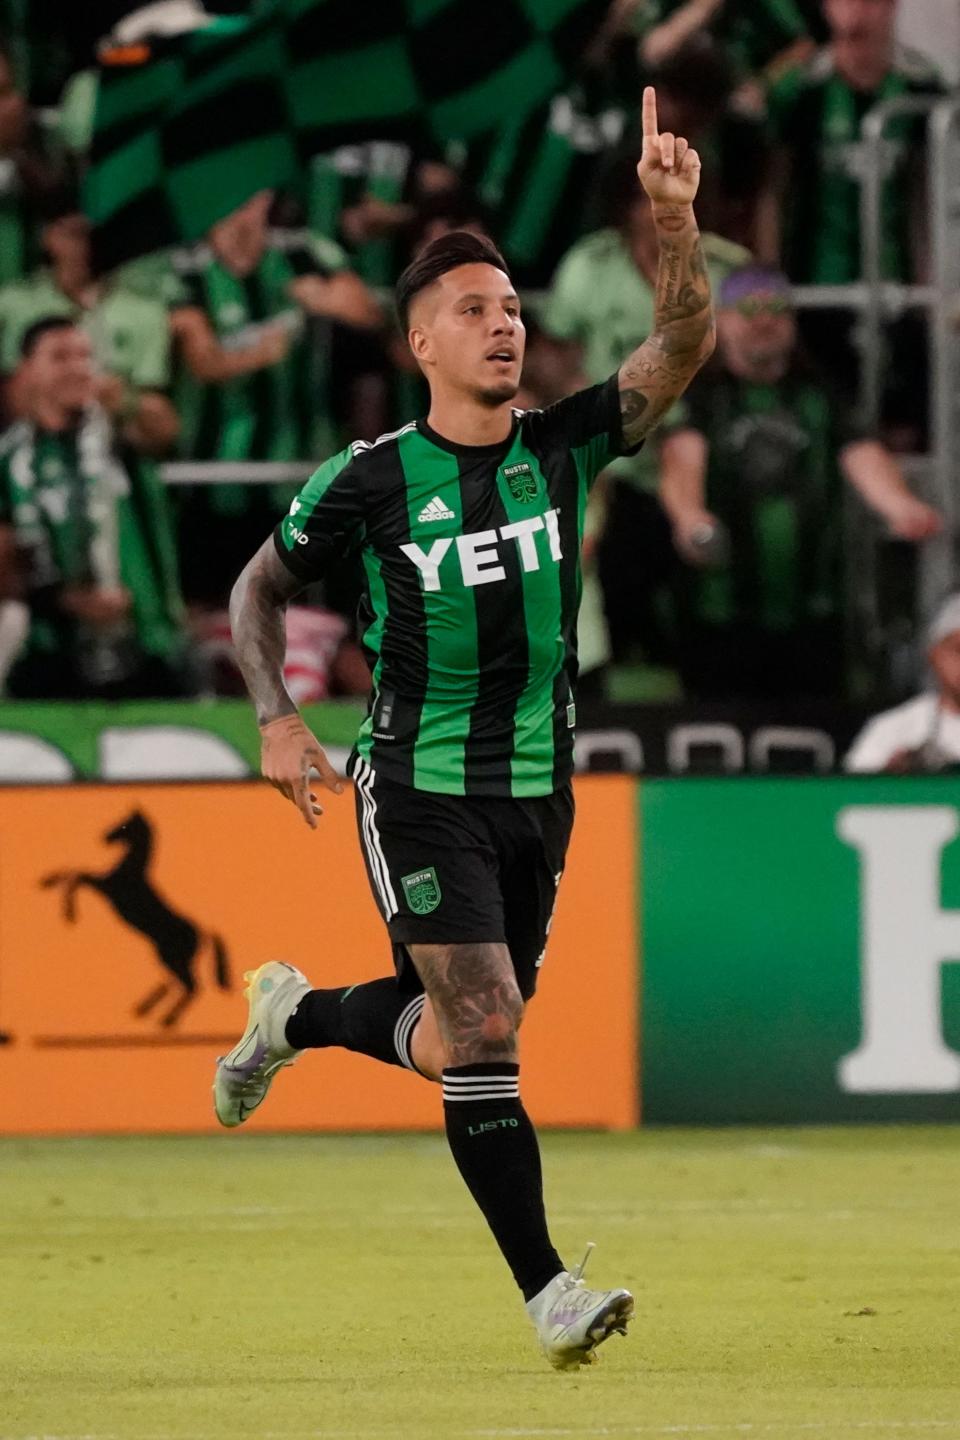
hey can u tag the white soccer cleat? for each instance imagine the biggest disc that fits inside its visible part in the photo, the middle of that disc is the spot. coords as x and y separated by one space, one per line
244 1076
572 1320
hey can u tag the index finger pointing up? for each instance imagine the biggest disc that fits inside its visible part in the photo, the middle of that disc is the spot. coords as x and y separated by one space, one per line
649 113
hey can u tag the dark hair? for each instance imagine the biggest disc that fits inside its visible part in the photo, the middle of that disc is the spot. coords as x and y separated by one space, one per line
34 333
447 252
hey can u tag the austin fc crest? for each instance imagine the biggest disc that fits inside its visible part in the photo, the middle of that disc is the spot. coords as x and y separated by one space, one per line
422 891
523 484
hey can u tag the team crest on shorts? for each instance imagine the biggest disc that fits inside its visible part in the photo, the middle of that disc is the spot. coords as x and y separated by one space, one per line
524 485
422 890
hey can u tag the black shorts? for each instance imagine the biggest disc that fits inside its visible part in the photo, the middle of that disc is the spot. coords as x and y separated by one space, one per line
451 869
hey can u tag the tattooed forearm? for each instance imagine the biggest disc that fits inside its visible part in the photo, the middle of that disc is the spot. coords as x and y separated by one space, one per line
658 372
258 606
474 994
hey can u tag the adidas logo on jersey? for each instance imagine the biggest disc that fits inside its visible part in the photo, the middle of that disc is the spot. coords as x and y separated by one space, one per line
435 510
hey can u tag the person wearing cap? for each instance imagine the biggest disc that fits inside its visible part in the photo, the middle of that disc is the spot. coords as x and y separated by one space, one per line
751 481
922 736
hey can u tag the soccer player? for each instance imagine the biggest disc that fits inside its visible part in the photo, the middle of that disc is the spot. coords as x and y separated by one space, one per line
468 524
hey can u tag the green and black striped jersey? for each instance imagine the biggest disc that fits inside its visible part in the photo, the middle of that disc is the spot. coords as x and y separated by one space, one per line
471 556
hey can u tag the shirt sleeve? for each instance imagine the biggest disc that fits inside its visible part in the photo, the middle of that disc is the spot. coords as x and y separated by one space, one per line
879 741
150 362
325 519
563 311
587 424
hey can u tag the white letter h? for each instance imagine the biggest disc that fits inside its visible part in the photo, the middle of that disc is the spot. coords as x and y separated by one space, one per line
905 937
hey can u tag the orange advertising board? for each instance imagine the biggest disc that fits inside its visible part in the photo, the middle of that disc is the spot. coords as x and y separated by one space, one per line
128 914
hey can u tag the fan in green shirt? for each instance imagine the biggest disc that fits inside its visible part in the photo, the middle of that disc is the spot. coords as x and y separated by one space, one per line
816 113
130 333
755 32
752 482
85 534
252 324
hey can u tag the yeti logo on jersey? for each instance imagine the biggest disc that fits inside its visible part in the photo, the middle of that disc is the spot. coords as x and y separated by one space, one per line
479 554
522 482
422 890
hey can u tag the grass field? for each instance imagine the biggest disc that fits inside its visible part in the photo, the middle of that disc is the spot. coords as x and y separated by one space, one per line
789 1283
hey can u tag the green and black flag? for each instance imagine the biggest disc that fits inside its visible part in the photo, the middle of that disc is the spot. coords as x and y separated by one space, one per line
187 129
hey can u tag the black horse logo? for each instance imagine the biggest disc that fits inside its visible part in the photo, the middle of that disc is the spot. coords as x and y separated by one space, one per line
127 887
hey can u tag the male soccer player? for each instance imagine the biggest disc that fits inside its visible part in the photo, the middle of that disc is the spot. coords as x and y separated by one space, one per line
468 524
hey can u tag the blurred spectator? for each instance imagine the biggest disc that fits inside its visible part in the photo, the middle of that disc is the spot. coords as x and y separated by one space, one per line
602 299
85 537
756 33
812 210
130 333
923 735
27 173
538 174
750 481
367 195
810 213
256 381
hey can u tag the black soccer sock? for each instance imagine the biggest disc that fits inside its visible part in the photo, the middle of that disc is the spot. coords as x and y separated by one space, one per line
375 1019
495 1147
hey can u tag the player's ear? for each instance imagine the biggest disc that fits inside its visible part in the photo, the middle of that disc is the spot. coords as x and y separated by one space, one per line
421 345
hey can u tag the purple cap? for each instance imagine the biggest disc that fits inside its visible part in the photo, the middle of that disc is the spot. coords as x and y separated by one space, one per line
752 280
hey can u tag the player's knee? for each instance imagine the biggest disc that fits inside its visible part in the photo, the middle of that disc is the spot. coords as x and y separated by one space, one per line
483 1023
478 1003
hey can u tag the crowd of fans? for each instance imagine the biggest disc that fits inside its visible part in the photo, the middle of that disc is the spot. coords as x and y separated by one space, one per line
715 556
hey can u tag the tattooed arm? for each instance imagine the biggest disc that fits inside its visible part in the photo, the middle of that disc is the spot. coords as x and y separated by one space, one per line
289 750
657 374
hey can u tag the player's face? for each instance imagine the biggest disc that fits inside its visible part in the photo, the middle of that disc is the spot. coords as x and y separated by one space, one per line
945 662
61 369
860 21
466 333
757 337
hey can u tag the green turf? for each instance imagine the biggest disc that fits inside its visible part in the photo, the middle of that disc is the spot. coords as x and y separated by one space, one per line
789 1283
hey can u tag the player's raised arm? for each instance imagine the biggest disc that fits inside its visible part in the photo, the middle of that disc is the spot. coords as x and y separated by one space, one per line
289 749
656 374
